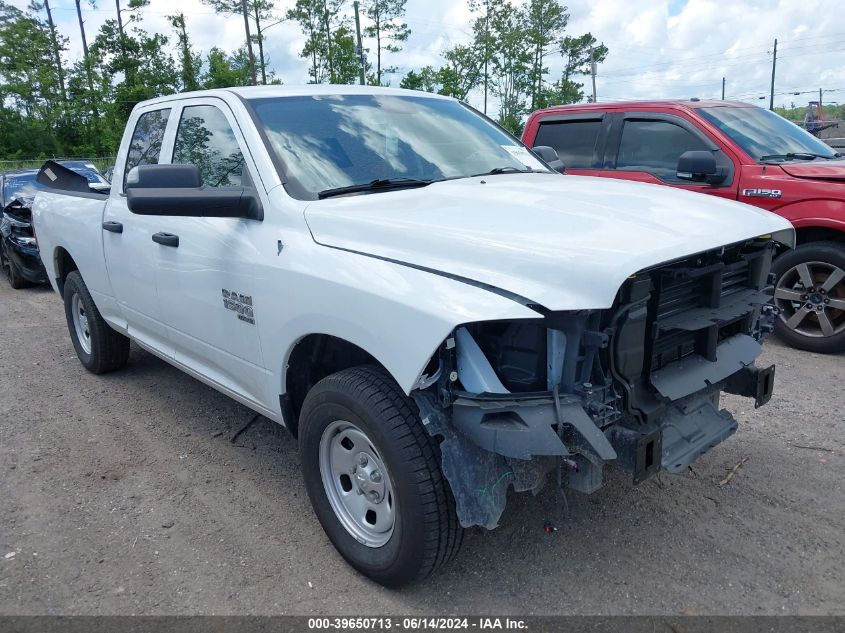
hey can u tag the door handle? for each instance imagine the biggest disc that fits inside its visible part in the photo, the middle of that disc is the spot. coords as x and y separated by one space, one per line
113 227
166 239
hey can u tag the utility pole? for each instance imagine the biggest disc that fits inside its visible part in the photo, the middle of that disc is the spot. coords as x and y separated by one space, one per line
723 88
360 51
55 41
772 89
593 72
248 43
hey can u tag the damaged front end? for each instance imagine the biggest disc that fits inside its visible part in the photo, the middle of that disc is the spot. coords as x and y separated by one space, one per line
17 241
636 385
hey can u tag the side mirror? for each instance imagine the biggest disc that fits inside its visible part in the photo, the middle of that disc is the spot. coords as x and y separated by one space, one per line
177 190
549 156
700 166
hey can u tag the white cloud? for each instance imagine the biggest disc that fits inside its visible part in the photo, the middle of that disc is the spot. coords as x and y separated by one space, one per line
658 48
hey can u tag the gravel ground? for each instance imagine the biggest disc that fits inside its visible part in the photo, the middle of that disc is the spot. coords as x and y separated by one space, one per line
123 494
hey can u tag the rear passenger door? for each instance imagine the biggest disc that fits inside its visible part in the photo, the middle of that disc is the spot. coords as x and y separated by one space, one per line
127 237
579 140
646 146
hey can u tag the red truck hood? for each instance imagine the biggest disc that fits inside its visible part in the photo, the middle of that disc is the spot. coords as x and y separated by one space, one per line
818 169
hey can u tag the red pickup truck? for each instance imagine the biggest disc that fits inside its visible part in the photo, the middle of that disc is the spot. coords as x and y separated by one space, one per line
737 151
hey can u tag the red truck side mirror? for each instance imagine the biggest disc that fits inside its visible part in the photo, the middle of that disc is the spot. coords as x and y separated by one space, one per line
700 166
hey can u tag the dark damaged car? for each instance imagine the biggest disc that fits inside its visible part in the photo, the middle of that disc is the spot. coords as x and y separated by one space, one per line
19 254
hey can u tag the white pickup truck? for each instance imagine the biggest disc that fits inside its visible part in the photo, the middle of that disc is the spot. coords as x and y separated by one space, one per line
436 314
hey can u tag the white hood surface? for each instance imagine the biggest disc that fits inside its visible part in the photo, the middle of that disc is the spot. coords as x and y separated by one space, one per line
564 242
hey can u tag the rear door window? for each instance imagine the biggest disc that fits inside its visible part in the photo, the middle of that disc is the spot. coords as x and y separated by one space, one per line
145 146
575 141
206 139
654 146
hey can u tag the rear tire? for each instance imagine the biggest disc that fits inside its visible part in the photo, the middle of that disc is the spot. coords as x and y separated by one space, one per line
812 315
100 349
411 528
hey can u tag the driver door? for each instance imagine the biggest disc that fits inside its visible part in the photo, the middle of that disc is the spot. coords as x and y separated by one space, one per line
206 276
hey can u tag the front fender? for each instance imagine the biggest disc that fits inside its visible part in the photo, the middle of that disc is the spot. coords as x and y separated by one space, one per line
398 314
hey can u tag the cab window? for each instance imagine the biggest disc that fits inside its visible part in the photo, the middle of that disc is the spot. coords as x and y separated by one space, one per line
575 141
145 146
655 147
206 139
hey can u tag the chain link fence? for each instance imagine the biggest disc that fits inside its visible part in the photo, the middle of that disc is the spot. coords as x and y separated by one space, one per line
100 162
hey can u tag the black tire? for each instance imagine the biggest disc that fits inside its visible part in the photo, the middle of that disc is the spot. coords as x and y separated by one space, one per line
426 532
14 276
829 254
109 350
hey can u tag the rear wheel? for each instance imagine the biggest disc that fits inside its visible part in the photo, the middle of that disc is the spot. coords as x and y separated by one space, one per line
100 349
373 476
810 294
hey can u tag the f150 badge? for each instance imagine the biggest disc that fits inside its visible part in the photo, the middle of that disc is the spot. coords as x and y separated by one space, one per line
762 193
240 305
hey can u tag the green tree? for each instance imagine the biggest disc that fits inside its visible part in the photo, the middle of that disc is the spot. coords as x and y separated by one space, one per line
460 74
260 12
31 99
545 22
326 30
189 61
226 71
510 62
388 29
576 56
483 44
426 80
59 43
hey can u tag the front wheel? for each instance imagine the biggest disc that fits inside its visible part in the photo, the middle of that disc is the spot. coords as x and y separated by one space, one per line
13 275
373 476
810 294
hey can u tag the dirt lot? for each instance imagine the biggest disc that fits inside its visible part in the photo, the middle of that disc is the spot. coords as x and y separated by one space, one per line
124 494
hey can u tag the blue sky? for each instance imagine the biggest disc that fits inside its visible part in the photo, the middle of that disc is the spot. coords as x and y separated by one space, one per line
658 48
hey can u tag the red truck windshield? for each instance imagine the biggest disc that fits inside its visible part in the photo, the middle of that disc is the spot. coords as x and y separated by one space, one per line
764 134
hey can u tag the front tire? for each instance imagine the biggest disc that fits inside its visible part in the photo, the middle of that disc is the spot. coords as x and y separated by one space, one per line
16 280
100 349
373 476
810 294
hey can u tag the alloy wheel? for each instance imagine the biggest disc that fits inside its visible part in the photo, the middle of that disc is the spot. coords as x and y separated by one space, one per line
811 299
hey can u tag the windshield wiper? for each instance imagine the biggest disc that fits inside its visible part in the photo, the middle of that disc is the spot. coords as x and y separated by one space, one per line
795 156
511 170
379 184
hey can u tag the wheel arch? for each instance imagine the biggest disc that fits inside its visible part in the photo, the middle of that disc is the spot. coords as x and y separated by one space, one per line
63 265
311 358
805 233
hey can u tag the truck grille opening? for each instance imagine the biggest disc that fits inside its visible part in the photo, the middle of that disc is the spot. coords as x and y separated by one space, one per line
705 283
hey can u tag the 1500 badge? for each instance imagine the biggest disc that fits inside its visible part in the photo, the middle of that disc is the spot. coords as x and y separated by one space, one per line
239 304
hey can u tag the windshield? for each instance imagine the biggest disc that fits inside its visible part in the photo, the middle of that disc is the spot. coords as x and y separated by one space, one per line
762 133
89 170
328 142
20 186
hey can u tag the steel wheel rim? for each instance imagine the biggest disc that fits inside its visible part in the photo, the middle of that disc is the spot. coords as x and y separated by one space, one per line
357 484
811 299
80 323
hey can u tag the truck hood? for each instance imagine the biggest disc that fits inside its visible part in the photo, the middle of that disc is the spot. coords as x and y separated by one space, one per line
564 242
816 169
